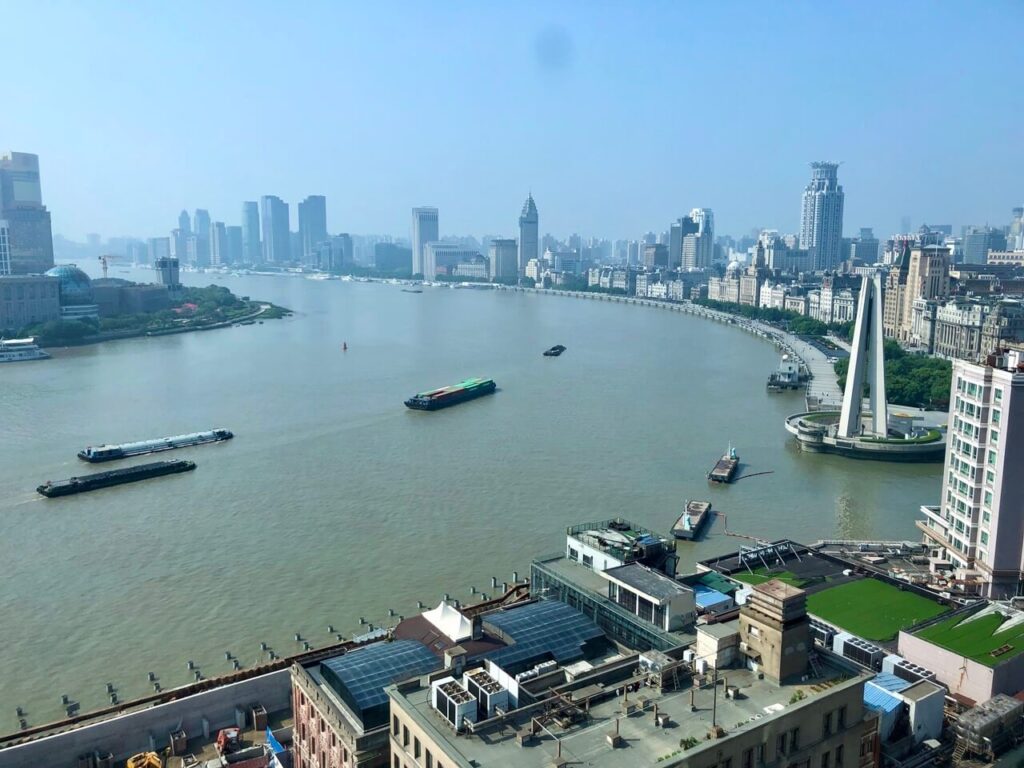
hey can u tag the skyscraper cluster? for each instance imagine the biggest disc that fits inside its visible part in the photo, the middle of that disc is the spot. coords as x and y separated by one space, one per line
264 236
24 217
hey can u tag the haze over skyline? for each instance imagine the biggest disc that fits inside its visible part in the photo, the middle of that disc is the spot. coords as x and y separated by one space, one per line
618 118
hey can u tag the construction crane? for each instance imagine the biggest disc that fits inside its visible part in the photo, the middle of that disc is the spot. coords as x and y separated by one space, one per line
103 259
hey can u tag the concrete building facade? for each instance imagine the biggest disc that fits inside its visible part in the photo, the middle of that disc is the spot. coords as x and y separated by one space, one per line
251 249
504 258
276 235
26 300
529 229
977 531
312 226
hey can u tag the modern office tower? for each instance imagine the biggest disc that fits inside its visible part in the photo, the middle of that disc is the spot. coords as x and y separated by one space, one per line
185 223
424 230
234 253
437 257
632 253
978 241
201 229
864 248
159 248
5 249
698 239
276 235
391 257
821 218
312 226
978 529
179 245
218 244
529 243
675 245
334 254
138 252
655 255
504 259
251 252
30 237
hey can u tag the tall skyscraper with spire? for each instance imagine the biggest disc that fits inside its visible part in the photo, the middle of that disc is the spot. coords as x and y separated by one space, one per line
529 240
821 216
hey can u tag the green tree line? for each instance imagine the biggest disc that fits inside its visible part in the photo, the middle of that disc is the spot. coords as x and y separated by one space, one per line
910 379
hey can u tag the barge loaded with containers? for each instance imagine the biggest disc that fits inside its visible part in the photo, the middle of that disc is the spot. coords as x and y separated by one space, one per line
113 477
445 396
124 450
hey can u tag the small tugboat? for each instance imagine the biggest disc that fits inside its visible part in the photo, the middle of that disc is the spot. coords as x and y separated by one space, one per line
412 290
725 469
434 400
690 523
555 351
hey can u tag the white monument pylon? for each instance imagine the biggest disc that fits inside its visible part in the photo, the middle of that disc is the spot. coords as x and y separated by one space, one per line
867 363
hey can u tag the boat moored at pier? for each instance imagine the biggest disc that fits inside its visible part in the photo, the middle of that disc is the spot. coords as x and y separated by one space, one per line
99 480
436 399
725 469
695 516
17 350
100 453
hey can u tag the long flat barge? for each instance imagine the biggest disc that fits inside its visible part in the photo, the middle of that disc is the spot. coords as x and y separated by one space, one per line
98 480
725 468
96 454
692 521
435 399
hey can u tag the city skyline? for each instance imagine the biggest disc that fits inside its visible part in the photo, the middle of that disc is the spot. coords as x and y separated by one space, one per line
374 169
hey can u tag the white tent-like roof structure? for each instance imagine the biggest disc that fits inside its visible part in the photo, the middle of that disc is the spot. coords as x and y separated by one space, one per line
449 622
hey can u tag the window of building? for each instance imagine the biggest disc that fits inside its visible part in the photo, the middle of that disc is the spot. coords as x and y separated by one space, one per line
998 395
794 739
993 437
416 747
992 458
841 718
826 728
995 415
430 760
990 477
986 516
588 560
396 763
839 756
780 744
394 725
984 537
748 758
826 759
405 736
573 554
988 498
760 753
727 763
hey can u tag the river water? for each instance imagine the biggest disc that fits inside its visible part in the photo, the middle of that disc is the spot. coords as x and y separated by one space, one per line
334 501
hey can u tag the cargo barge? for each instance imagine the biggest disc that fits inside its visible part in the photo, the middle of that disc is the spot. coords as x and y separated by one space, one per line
691 522
725 469
113 477
436 399
124 450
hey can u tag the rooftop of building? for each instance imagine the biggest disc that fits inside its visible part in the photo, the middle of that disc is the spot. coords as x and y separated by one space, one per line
990 635
647 581
845 593
578 716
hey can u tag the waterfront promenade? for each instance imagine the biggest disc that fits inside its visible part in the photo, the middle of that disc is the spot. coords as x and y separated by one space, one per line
823 391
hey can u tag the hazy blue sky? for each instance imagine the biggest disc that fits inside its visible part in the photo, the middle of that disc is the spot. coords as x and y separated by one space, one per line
619 116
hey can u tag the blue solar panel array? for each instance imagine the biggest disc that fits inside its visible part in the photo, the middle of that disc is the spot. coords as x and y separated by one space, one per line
548 629
359 677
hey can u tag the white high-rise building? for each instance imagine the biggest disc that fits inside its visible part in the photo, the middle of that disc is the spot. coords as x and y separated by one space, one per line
529 227
977 532
698 239
424 230
821 217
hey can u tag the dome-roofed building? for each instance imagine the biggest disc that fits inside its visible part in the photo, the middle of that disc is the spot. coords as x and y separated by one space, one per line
75 290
